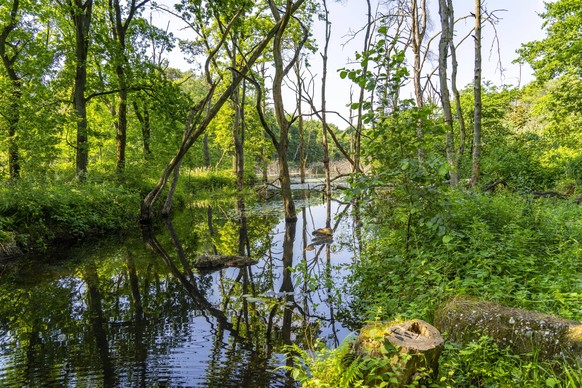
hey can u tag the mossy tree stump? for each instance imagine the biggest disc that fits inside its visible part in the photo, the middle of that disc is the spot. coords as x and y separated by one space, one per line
523 331
412 347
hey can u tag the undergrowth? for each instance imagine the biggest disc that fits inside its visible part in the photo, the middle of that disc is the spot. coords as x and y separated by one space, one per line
508 248
35 213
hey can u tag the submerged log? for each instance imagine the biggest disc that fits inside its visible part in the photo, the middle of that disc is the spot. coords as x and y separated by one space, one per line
210 262
523 331
413 347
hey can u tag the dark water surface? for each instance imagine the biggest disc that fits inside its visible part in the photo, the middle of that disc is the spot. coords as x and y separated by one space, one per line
124 312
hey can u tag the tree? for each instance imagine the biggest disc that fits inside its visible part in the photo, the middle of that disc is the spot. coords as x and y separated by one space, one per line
477 93
9 52
281 70
444 45
27 103
559 53
198 119
119 31
80 14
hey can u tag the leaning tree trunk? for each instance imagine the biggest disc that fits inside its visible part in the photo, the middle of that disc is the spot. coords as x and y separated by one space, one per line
197 126
477 95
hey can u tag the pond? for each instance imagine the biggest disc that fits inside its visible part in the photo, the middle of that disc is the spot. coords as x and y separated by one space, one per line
131 311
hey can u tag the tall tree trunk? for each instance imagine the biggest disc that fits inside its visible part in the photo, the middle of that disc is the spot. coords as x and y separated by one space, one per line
237 124
81 13
446 37
13 113
121 126
477 95
419 22
82 157
324 116
302 159
418 31
119 28
284 124
357 140
456 94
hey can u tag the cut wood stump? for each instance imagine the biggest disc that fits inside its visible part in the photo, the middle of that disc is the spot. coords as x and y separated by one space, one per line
213 262
523 331
413 347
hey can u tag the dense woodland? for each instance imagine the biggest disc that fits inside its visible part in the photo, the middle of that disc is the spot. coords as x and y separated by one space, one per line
465 189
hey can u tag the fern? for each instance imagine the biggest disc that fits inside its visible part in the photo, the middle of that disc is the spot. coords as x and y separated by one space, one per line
353 372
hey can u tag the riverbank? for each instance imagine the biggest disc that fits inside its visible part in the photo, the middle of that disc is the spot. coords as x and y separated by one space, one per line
36 214
508 248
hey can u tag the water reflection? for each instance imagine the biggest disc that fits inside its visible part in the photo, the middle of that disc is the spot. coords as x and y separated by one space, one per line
121 313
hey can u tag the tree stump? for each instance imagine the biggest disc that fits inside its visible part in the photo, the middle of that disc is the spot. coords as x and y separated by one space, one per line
523 331
413 347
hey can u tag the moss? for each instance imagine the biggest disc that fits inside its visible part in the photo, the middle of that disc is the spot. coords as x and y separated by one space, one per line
523 331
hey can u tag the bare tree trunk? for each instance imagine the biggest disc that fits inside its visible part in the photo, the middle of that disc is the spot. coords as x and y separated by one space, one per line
323 115
302 159
477 95
418 31
456 94
419 22
360 121
446 37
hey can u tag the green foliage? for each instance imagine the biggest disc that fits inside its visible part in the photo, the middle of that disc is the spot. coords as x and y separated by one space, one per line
202 180
42 213
512 249
482 363
339 367
560 51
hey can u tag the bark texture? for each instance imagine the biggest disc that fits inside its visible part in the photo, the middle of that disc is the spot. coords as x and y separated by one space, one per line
523 331
413 346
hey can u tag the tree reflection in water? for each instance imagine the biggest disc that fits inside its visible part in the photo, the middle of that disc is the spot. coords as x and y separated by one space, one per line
115 314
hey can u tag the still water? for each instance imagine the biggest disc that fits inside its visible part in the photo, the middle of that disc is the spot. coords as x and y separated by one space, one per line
131 310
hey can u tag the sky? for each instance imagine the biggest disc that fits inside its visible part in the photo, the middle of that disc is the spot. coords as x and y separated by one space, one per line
518 23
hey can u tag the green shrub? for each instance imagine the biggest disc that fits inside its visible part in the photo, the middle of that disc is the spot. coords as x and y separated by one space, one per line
40 213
